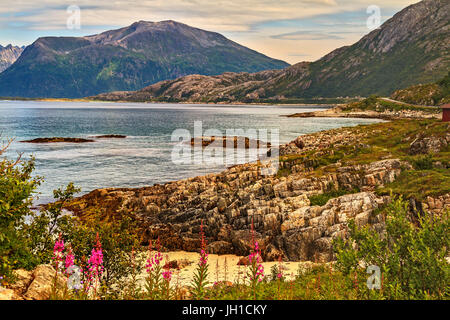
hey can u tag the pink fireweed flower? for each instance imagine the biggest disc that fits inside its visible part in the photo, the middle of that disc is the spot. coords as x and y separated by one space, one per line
167 275
280 271
58 253
95 264
255 260
203 258
153 259
203 254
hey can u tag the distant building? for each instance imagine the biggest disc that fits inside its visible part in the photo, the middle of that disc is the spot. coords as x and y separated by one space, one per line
445 112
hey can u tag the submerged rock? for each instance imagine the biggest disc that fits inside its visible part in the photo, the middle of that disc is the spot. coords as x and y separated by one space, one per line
109 136
57 140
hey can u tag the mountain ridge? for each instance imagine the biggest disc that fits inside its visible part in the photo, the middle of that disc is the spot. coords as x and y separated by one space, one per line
410 48
8 55
127 58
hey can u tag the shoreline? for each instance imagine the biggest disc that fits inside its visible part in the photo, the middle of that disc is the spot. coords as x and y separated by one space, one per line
338 112
317 104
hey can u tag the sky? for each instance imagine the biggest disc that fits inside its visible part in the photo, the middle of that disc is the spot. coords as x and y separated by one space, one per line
290 30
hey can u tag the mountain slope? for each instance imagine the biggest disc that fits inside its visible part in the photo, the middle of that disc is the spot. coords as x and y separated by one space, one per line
410 48
125 59
432 94
8 55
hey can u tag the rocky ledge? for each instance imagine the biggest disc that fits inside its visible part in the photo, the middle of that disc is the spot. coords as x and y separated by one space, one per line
230 141
33 285
229 203
58 140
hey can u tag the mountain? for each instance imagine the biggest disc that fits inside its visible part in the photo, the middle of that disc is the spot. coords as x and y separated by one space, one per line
410 48
125 59
8 55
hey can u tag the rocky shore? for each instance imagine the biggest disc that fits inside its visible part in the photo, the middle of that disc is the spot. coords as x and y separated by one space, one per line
286 224
340 112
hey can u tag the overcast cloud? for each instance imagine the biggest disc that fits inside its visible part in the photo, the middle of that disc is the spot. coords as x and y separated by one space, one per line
292 30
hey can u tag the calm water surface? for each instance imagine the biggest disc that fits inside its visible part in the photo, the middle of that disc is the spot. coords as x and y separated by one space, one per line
144 157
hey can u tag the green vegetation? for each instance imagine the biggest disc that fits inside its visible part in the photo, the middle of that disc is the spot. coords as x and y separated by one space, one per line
27 237
411 255
388 140
433 94
16 189
419 184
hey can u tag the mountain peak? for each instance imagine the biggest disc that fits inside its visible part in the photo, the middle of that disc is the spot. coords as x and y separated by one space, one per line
8 55
126 59
410 48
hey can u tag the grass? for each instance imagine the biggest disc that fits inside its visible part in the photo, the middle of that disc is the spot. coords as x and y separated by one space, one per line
419 184
387 140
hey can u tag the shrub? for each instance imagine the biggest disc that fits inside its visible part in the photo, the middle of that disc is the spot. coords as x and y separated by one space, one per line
49 223
423 162
17 187
410 254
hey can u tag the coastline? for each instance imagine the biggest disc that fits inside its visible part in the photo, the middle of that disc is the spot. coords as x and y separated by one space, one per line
339 112
317 104
353 169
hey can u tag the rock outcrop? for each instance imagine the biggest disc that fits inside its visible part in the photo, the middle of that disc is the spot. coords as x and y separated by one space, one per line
229 203
33 285
429 144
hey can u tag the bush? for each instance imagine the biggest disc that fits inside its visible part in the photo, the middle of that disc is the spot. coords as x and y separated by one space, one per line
410 254
16 189
423 163
47 224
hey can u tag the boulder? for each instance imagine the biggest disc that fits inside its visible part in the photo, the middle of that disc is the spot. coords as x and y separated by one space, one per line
43 282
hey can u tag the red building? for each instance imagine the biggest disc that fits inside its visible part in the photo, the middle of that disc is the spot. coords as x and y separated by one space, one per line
445 112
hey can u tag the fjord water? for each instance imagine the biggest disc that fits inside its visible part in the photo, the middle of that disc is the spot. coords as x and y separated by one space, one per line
144 157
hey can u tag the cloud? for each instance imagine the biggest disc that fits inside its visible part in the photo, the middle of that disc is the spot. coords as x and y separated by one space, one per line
259 24
305 35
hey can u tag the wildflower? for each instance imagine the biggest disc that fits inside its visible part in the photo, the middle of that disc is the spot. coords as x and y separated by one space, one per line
153 260
167 275
200 281
280 271
256 262
95 265
203 254
58 253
